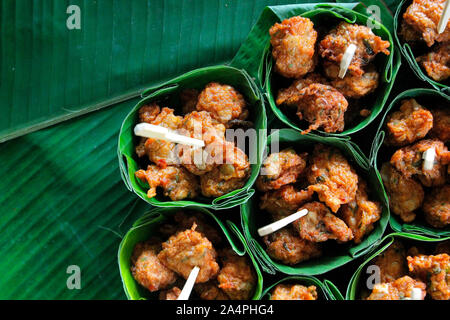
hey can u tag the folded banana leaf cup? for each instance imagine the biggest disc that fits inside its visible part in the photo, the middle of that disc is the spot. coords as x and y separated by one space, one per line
326 290
335 255
381 153
148 225
169 92
410 53
356 286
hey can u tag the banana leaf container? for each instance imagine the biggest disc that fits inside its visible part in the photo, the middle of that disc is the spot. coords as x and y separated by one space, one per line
326 290
147 226
356 285
255 54
381 153
410 54
253 218
169 91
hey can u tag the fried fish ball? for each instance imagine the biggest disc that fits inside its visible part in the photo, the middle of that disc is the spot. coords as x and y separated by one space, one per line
284 201
435 271
423 16
289 96
161 152
368 45
210 291
400 289
441 124
321 225
147 269
411 123
237 277
280 169
164 117
392 262
437 62
408 160
189 99
286 246
436 207
408 33
294 292
405 194
293 42
187 249
332 177
177 182
361 213
223 102
171 294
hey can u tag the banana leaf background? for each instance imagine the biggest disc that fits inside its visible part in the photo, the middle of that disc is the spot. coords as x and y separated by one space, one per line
62 200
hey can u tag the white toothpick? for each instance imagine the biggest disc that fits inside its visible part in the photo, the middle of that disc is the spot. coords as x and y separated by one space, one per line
428 157
189 285
277 225
157 132
346 60
444 17
416 294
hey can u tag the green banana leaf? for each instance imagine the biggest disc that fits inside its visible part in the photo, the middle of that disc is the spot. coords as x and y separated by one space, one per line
342 254
410 55
323 290
194 79
354 286
328 12
381 153
147 226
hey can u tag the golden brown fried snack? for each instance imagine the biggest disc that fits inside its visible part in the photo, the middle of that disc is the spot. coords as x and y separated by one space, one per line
187 249
332 177
361 213
436 207
164 117
408 33
405 194
290 95
441 124
392 262
294 292
284 201
435 271
146 268
423 17
286 246
368 45
171 294
177 182
411 123
280 169
293 43
408 160
210 291
437 62
189 99
223 102
400 289
237 277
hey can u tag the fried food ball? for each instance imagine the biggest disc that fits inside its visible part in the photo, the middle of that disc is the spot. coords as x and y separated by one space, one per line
408 33
171 294
408 160
405 194
237 277
187 249
321 225
332 177
189 99
423 16
164 117
147 269
436 207
286 246
441 124
210 291
289 96
322 106
400 289
293 42
223 102
411 123
284 201
392 262
353 86
368 45
435 271
177 182
361 213
280 169
294 292
437 62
